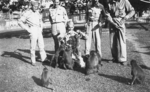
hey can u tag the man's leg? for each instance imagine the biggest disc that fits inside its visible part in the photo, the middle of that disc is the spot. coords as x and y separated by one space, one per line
56 43
33 43
88 40
58 28
41 47
122 45
98 41
114 44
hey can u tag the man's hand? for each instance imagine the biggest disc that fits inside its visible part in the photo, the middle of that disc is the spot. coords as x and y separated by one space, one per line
86 24
100 24
123 20
109 18
24 26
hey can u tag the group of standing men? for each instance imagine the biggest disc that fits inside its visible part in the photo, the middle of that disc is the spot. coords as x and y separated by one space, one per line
116 13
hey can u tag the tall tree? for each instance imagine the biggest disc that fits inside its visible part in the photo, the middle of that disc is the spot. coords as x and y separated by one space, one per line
140 6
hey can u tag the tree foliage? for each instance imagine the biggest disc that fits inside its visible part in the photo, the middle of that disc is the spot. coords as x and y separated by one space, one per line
5 1
139 5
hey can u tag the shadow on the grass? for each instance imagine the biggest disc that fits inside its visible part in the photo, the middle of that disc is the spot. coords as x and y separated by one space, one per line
22 34
28 51
78 68
15 55
148 53
39 83
17 34
48 60
106 60
24 50
145 67
120 79
50 52
37 80
133 26
37 53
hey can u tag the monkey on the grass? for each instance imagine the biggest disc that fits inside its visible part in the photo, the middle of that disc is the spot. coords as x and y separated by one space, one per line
68 63
136 72
58 54
45 79
92 64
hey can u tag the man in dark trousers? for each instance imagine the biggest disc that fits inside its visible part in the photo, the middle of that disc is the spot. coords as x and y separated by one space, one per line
58 19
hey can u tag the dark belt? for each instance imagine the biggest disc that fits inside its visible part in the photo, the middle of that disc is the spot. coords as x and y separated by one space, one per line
56 22
93 20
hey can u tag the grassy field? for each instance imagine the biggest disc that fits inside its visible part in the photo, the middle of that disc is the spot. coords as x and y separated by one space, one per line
18 75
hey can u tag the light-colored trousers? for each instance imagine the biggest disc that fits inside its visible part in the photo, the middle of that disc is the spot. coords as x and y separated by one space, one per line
36 38
94 32
58 28
118 43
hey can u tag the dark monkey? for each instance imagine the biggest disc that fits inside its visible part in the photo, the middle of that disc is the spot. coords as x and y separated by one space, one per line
67 58
74 41
58 54
92 63
45 79
137 72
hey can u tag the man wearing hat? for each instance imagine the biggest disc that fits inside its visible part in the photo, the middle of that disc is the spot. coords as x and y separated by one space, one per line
58 19
31 21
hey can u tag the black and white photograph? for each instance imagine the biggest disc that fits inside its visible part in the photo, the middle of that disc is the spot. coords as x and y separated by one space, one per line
74 45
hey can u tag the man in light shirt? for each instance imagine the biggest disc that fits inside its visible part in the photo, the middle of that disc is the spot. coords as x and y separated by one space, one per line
118 11
31 20
58 19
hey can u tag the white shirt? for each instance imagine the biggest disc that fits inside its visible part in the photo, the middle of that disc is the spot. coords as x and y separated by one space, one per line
31 18
58 14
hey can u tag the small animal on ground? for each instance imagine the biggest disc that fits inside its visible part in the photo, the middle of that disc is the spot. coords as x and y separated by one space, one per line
136 72
68 63
58 54
83 34
92 63
45 79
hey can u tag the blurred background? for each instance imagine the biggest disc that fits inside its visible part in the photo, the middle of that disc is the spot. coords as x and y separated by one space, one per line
10 10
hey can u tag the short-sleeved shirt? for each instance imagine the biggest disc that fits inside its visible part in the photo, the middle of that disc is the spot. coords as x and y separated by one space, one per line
94 13
58 14
31 18
119 9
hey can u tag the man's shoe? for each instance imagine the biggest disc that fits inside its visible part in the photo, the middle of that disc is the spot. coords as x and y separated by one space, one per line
33 64
125 63
112 61
45 60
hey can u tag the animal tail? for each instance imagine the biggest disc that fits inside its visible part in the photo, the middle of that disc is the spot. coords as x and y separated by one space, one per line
45 66
101 64
52 59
